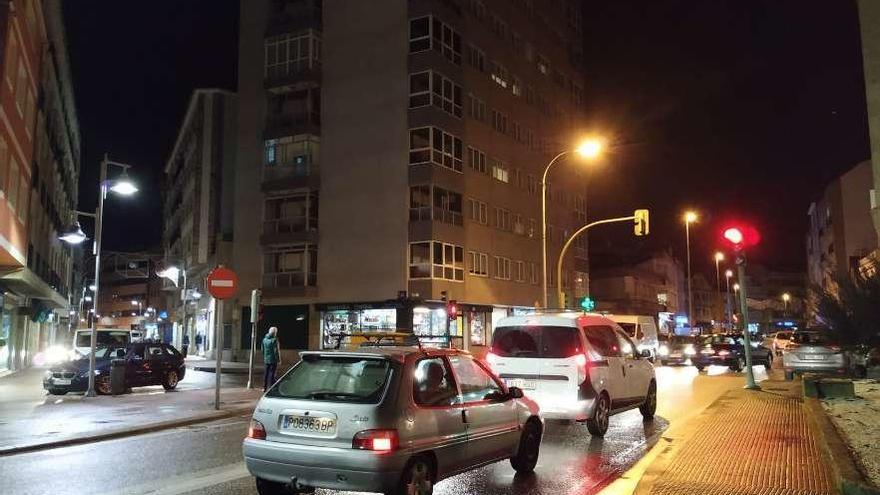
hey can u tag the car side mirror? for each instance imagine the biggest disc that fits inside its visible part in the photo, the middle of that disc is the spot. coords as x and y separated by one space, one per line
515 393
645 353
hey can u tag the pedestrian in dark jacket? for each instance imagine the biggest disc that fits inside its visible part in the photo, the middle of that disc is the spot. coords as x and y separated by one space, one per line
271 357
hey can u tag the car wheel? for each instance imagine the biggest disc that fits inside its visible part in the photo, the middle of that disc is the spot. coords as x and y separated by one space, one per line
649 407
170 382
102 385
789 375
417 477
664 362
699 367
526 457
266 487
738 365
598 424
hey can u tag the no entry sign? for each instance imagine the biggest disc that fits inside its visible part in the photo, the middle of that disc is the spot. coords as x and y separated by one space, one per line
222 283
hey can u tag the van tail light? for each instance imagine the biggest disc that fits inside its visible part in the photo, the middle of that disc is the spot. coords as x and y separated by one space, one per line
256 430
581 361
376 440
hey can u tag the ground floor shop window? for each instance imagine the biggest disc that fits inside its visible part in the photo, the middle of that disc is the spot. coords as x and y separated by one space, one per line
430 325
337 324
478 324
5 333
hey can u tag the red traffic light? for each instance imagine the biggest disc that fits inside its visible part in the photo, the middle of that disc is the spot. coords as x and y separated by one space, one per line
740 235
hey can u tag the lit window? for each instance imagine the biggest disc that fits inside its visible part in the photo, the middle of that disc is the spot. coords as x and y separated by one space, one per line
500 171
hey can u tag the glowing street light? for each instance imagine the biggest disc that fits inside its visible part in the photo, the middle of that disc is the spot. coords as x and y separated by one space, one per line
785 298
588 149
74 235
690 217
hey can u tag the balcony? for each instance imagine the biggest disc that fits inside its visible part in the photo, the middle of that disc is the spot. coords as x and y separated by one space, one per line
290 230
278 125
428 214
291 283
293 61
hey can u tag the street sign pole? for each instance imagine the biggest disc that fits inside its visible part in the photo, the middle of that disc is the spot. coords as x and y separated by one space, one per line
255 304
222 284
744 307
218 352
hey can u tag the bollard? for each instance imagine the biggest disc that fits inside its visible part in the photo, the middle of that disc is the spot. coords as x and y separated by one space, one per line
117 376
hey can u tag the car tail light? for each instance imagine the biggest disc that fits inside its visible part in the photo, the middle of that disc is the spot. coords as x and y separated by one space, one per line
723 352
581 361
377 440
835 348
256 430
707 351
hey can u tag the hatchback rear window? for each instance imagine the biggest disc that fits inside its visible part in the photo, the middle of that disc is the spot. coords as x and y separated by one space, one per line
535 341
335 379
810 338
84 339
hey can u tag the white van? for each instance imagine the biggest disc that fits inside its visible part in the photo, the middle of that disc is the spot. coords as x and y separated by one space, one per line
642 329
576 366
82 339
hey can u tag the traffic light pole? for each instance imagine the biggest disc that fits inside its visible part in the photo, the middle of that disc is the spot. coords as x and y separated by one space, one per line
744 308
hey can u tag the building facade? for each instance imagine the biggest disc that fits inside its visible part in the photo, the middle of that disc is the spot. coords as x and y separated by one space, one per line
131 295
841 232
869 21
198 210
648 287
39 173
389 156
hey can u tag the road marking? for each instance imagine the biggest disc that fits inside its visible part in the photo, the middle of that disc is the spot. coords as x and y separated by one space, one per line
188 482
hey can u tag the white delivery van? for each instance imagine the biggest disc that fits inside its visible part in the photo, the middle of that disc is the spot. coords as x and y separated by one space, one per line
642 329
82 339
576 366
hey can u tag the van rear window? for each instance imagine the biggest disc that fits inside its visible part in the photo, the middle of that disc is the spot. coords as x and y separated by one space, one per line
535 341
335 379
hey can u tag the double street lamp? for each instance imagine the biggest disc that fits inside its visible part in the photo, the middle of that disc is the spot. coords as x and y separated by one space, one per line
589 149
123 186
689 218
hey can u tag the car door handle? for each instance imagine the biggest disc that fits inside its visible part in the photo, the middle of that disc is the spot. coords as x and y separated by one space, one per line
464 416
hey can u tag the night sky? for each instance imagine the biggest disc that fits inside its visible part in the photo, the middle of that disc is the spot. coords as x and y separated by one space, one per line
739 108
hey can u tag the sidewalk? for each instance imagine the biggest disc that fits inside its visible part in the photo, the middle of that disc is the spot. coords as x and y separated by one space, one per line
747 442
225 367
31 420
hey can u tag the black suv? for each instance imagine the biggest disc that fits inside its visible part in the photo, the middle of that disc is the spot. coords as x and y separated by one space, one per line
727 350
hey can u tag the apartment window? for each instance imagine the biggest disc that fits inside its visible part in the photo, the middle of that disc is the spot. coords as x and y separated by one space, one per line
500 171
499 121
291 266
22 197
559 78
433 145
435 203
519 178
502 219
580 207
11 57
532 183
479 211
533 273
499 27
298 152
543 64
499 74
476 58
518 133
12 193
518 226
502 268
430 33
477 160
531 96
289 54
21 88
577 94
291 214
872 195
478 264
430 88
4 164
520 272
476 108
438 260
533 229
29 111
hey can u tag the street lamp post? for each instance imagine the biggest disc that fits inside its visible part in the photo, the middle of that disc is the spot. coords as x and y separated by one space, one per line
785 298
728 310
124 187
689 218
719 257
589 149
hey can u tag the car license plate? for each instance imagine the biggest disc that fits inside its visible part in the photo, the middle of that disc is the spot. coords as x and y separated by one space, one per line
521 383
311 424
675 355
61 381
814 357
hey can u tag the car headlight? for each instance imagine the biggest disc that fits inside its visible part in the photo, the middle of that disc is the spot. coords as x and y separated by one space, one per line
663 350
754 345
689 350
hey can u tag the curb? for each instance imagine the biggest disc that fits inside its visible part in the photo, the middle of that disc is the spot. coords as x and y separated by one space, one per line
126 432
847 477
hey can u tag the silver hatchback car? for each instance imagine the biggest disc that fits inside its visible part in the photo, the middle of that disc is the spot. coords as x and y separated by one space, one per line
387 419
811 351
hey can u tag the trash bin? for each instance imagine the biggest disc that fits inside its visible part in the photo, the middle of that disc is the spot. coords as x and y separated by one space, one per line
117 376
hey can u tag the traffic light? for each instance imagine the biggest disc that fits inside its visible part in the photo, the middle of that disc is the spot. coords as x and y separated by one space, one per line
588 304
740 235
452 309
641 226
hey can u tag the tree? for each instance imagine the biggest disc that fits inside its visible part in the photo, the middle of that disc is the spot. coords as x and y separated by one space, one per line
852 312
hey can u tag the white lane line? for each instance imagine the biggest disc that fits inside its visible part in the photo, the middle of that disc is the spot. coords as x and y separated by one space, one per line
188 482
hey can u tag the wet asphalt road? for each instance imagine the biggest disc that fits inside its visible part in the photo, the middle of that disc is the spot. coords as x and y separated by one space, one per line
206 459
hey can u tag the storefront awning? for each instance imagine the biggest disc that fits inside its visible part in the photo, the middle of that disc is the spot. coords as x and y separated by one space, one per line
24 282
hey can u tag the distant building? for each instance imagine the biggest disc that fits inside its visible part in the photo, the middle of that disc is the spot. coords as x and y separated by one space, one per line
768 310
390 154
704 301
39 176
841 233
869 20
647 287
131 295
198 210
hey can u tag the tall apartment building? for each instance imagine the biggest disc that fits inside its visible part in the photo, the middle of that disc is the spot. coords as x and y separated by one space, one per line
39 172
841 232
869 21
390 153
198 210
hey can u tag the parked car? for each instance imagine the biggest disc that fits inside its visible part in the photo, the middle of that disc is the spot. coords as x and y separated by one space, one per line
145 364
642 330
576 366
728 350
778 342
813 350
677 349
387 419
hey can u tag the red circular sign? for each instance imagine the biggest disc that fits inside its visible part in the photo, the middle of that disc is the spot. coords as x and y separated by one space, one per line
222 283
